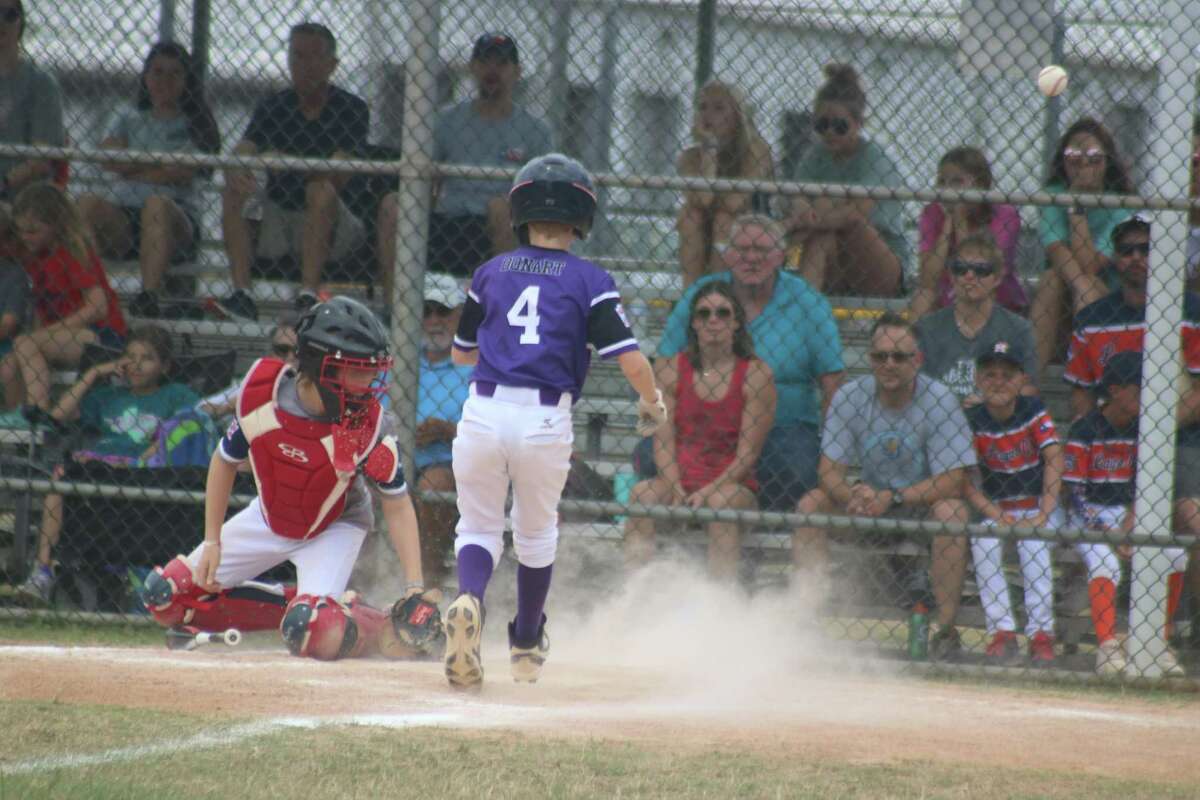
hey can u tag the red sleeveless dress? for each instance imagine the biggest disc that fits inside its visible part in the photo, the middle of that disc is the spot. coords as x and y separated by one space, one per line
706 433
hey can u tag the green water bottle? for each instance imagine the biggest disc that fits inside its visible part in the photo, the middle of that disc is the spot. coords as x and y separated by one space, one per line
918 633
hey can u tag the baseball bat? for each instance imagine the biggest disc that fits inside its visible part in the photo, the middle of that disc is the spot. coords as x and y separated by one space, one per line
181 639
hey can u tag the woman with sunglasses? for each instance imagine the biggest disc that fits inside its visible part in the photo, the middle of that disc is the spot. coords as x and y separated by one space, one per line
149 211
854 247
1077 240
30 106
942 225
953 338
726 145
721 400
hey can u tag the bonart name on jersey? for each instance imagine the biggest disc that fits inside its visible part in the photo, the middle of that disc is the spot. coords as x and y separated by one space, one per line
537 266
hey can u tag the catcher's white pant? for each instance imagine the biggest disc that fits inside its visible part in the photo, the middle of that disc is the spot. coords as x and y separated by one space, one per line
512 437
250 548
1101 559
988 554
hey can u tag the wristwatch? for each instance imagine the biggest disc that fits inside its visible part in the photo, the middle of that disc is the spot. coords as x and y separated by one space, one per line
897 499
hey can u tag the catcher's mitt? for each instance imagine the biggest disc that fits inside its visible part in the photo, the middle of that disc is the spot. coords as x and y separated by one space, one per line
416 631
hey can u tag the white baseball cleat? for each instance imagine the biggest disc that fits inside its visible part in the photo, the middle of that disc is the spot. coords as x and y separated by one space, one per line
527 662
464 631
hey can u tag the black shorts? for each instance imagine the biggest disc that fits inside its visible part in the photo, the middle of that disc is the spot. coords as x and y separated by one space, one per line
133 215
458 245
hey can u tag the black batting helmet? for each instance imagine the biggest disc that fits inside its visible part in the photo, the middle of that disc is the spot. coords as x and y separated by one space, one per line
338 336
552 188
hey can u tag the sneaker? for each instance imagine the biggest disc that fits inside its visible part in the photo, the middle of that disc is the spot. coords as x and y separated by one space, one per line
39 586
526 662
1041 649
1110 657
1168 662
945 645
305 300
144 305
464 631
1002 650
239 305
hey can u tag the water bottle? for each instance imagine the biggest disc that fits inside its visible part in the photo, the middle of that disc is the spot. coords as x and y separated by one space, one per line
919 601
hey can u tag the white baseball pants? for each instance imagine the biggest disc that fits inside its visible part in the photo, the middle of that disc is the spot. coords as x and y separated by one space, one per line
1036 573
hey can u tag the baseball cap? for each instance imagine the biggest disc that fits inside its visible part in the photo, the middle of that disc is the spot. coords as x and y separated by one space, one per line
1138 222
1002 351
443 289
1122 369
495 44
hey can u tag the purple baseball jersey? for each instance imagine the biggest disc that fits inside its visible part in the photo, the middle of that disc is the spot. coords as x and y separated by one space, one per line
533 312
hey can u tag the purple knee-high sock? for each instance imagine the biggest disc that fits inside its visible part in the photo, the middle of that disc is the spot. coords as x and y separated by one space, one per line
533 584
474 570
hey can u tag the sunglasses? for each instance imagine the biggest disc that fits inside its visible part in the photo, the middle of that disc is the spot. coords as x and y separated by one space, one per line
881 357
1133 247
959 268
1090 157
283 350
839 125
10 15
724 313
437 309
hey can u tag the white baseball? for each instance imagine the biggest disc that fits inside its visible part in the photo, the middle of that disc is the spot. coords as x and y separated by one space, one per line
1052 80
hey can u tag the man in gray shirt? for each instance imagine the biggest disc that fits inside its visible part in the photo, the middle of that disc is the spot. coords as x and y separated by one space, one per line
908 436
952 338
30 108
470 222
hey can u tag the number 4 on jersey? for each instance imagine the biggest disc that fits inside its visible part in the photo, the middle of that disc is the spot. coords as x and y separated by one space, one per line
523 314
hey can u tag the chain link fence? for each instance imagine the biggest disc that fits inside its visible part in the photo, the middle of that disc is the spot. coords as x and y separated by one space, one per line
912 386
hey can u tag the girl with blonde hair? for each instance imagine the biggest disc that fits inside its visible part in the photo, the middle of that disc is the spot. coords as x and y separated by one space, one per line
726 144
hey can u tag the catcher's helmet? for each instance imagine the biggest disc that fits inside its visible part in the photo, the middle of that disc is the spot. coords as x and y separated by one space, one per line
336 338
552 188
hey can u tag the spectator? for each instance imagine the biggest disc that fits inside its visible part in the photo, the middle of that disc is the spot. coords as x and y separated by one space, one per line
126 415
848 246
943 225
14 303
149 211
1018 483
1077 240
908 436
793 331
721 400
953 338
1101 474
442 390
1116 323
1193 246
471 222
303 215
31 106
283 346
74 305
726 144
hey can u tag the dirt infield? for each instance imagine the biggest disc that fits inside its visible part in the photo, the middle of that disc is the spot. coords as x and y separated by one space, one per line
859 719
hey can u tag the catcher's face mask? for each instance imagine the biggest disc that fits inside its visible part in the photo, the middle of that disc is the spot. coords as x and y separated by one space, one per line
355 385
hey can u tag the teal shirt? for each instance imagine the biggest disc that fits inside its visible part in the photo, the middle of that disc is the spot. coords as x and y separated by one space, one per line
869 166
442 390
1054 226
795 335
128 422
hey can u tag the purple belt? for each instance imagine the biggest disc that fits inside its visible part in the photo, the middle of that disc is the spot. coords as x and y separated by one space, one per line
547 397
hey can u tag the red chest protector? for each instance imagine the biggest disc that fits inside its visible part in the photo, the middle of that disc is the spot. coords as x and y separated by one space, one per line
292 458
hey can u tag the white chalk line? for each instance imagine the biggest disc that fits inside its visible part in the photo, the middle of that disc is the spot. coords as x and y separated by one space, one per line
220 738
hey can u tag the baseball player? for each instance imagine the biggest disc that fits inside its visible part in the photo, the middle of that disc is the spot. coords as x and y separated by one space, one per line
1020 465
312 435
530 316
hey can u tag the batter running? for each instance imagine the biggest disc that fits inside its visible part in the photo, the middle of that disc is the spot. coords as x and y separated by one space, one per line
530 316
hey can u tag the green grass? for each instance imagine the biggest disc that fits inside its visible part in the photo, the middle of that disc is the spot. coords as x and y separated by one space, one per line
68 633
368 762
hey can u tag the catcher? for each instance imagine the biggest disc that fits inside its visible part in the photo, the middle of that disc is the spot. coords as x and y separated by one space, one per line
315 438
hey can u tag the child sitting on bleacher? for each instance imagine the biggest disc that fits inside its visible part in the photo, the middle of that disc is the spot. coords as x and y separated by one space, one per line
74 305
126 413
